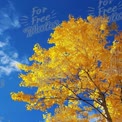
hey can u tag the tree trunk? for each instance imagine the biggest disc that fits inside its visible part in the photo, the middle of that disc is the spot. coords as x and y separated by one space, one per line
108 117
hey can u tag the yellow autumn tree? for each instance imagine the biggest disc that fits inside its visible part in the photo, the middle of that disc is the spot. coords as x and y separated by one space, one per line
81 73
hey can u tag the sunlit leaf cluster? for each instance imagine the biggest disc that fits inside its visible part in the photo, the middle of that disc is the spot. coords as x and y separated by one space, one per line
82 69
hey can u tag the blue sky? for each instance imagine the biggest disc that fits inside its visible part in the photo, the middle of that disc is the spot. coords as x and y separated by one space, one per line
26 22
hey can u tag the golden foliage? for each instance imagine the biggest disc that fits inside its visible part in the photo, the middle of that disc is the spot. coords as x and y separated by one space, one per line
80 68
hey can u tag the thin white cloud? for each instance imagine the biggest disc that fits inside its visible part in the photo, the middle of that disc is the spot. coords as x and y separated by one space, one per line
15 55
2 44
7 63
8 18
4 59
9 59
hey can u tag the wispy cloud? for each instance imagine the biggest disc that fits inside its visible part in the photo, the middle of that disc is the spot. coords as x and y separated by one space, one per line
8 18
9 58
7 62
2 44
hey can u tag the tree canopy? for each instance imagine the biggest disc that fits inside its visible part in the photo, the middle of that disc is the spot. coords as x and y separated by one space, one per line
81 73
